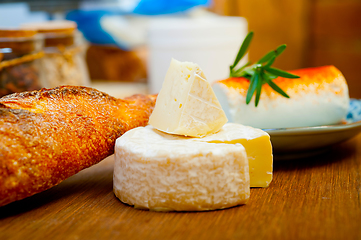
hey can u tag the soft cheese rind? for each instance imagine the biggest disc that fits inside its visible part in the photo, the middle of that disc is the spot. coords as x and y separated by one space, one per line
186 104
318 97
163 172
258 148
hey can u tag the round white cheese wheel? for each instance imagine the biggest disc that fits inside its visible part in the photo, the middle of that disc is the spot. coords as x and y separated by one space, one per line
164 172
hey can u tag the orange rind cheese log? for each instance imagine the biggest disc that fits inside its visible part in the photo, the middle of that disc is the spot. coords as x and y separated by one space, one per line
51 134
318 97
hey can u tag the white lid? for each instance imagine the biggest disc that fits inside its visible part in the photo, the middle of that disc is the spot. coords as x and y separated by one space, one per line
193 29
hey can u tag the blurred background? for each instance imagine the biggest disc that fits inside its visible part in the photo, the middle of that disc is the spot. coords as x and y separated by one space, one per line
125 46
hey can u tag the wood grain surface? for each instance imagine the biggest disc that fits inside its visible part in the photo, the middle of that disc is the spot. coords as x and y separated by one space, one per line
314 198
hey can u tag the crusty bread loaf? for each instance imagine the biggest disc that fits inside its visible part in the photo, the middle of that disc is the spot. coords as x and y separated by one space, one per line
51 134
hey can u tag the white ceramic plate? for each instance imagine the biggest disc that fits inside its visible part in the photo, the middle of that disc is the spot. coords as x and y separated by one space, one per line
290 143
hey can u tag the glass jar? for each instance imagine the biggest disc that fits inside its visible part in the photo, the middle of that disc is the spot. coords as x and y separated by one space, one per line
20 53
64 60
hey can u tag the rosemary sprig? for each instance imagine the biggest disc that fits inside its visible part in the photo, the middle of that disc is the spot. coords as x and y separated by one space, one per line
260 72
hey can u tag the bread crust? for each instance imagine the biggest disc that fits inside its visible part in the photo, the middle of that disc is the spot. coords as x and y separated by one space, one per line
51 134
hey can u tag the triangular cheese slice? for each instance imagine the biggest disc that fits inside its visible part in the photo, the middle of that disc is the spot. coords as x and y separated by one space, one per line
186 104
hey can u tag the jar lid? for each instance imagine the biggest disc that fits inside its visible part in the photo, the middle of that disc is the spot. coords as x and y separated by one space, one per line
202 32
56 33
20 41
64 27
17 33
201 28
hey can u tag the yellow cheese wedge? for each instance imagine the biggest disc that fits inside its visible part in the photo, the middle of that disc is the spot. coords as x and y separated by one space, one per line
164 172
186 104
258 147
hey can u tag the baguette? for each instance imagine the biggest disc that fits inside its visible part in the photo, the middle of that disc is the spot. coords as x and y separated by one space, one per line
51 134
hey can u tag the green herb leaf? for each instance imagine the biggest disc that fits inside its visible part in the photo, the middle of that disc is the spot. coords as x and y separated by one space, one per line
281 73
261 72
270 62
280 49
271 76
249 71
238 73
273 53
243 49
258 89
275 87
252 87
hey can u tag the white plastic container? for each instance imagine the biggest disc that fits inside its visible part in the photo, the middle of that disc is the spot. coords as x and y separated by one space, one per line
211 42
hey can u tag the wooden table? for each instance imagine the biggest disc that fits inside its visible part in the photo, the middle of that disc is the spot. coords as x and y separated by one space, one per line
314 198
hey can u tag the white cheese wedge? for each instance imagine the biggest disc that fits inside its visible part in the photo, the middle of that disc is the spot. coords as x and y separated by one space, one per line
164 172
258 147
186 104
318 97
